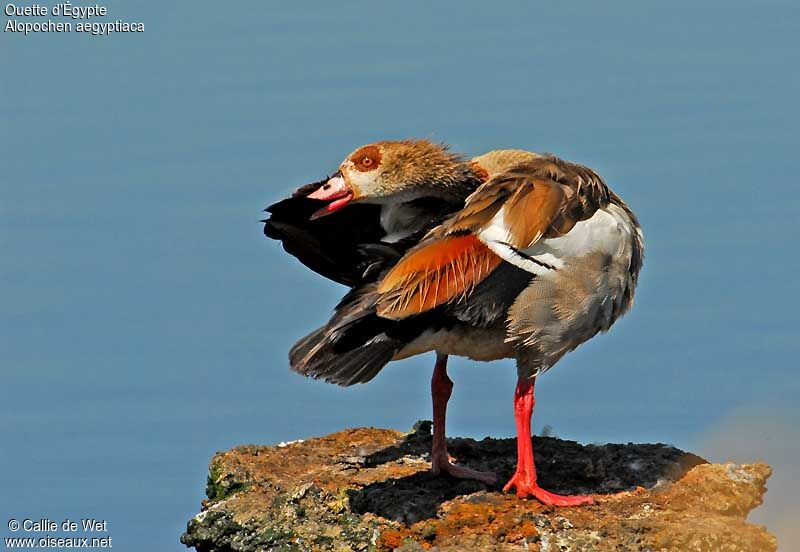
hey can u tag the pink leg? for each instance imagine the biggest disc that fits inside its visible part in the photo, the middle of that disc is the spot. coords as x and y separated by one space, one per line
524 479
441 388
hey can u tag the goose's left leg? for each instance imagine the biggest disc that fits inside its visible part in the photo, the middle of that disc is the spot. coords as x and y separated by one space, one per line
441 389
524 478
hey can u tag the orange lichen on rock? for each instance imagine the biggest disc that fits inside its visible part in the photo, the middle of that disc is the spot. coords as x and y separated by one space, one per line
370 489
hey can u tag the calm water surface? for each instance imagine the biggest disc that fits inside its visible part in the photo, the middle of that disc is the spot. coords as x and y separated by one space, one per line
145 321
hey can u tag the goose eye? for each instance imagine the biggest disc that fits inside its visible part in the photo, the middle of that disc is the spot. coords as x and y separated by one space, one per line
365 159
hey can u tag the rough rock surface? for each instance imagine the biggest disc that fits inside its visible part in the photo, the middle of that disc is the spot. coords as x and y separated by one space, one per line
369 489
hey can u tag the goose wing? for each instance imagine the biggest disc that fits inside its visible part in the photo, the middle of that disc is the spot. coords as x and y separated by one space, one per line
501 221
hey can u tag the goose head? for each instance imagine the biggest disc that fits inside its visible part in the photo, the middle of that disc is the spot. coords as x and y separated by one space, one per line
396 171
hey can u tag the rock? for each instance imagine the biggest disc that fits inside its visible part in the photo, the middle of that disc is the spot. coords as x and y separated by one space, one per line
369 489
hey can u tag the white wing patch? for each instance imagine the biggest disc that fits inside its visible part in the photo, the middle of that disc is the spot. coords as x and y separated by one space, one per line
608 231
497 230
519 259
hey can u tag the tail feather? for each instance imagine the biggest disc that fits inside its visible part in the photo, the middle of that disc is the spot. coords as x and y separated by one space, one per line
316 356
352 347
304 346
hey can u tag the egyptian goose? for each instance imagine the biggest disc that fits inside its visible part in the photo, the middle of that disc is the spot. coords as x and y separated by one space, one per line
509 255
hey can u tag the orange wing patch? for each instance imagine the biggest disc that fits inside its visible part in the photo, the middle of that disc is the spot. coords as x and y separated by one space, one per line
536 210
433 274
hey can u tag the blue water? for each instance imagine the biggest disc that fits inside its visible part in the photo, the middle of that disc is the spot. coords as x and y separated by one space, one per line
144 320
